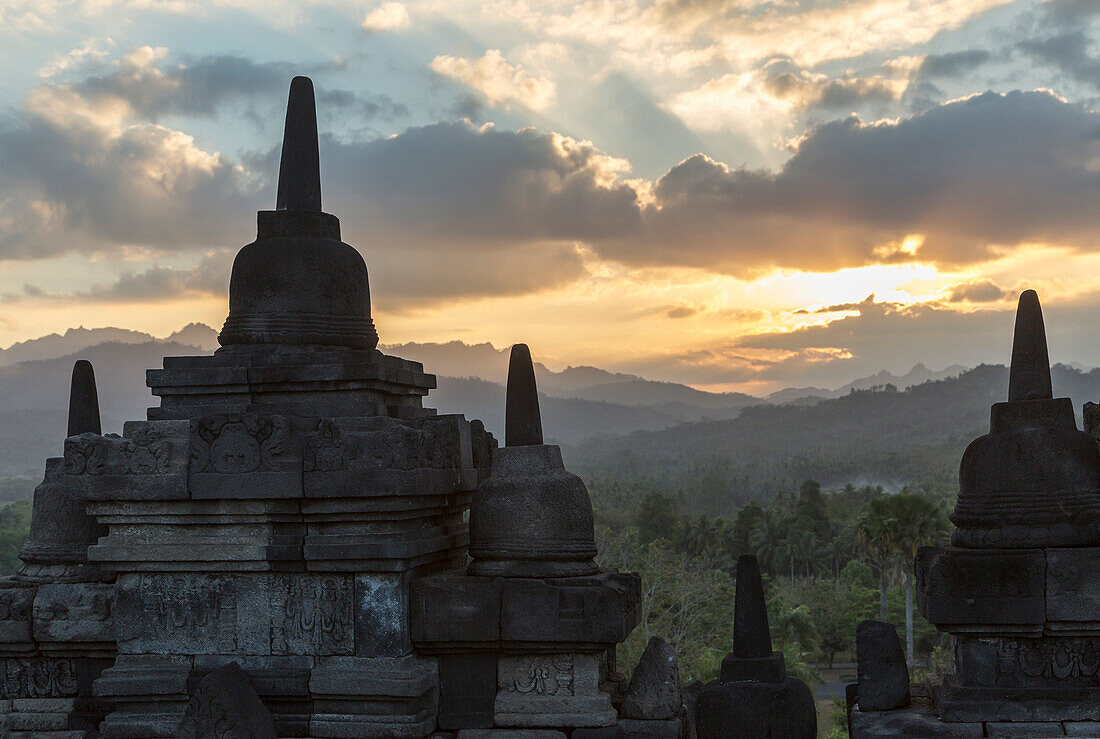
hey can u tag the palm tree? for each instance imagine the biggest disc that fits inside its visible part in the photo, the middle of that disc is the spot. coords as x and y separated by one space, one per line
767 541
875 533
917 521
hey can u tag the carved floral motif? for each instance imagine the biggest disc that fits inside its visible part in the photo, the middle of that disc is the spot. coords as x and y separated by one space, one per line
144 453
544 676
39 677
237 443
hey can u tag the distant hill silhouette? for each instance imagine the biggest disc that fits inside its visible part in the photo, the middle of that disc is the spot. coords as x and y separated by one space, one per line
882 436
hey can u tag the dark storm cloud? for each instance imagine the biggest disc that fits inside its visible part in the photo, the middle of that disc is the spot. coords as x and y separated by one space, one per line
953 64
201 86
972 175
1070 52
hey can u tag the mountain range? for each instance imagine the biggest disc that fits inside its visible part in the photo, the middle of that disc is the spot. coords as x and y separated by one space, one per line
602 418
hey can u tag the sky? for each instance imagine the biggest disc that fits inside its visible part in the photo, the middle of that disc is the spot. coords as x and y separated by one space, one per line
733 194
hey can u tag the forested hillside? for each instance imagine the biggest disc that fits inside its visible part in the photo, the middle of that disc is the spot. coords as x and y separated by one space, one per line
881 437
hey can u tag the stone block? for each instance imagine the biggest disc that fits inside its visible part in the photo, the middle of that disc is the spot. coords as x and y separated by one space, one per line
883 674
15 620
75 616
509 734
455 609
149 694
654 690
594 610
248 614
224 705
1036 704
756 709
1073 588
149 462
991 590
671 728
1044 662
1082 728
909 723
1025 729
382 615
551 690
599 732
242 456
360 696
467 690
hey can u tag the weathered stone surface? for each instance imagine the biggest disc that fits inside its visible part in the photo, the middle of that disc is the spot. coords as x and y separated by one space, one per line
467 690
1037 704
883 674
61 529
1040 662
599 609
654 690
671 728
83 401
599 732
75 617
359 696
15 620
295 613
225 706
299 163
149 462
756 709
456 609
531 518
1034 479
1073 589
1082 728
509 734
998 590
551 690
243 455
908 724
752 657
1025 729
522 422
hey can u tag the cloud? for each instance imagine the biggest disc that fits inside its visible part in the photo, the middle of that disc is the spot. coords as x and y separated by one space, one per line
953 64
1069 52
387 17
500 82
955 185
978 291
681 311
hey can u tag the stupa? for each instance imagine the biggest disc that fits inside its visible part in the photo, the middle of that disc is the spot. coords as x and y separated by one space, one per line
56 613
526 639
1017 586
275 507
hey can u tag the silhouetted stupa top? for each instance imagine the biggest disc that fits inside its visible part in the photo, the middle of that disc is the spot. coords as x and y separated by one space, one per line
298 284
1029 377
83 401
751 635
523 422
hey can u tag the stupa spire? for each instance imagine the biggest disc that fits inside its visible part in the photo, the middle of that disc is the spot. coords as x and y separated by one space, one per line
751 635
83 401
1029 377
523 422
299 167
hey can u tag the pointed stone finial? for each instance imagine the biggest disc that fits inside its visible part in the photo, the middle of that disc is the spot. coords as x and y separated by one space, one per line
1029 377
522 422
299 167
83 401
751 635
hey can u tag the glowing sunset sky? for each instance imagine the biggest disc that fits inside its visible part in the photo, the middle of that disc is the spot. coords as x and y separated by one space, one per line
729 193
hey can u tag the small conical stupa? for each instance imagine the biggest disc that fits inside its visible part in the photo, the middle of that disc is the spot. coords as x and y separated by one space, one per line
531 517
1034 479
61 530
83 401
753 696
298 284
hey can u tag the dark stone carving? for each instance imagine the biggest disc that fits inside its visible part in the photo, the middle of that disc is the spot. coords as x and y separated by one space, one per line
654 690
754 697
531 517
523 422
298 284
1034 479
38 677
883 674
225 706
992 587
237 443
83 401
